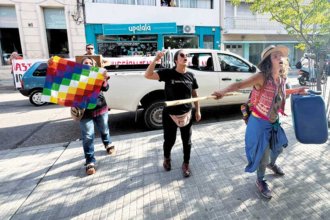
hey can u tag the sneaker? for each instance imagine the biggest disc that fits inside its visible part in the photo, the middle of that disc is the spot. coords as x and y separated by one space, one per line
167 164
110 149
90 169
264 189
276 169
186 170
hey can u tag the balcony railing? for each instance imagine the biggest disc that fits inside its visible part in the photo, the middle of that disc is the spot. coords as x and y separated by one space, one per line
252 25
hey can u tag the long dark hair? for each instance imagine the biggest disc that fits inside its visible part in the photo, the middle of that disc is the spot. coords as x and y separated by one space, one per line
265 68
176 57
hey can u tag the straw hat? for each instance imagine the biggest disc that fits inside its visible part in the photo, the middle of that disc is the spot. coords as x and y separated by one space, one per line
271 49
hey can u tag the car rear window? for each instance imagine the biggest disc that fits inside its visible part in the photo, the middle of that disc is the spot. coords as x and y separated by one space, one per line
41 70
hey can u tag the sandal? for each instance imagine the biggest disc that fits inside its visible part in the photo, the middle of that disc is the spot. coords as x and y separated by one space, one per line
110 149
90 169
167 164
186 172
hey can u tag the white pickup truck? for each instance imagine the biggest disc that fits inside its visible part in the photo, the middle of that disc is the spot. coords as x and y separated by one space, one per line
213 69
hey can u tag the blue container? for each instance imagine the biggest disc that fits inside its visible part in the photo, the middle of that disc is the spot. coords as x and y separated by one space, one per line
309 119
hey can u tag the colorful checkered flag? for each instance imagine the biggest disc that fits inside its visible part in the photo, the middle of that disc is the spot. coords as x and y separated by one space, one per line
72 84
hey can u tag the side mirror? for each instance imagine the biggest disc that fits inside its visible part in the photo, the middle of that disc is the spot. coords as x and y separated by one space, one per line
253 69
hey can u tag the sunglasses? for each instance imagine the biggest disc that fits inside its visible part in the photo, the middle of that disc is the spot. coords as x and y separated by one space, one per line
90 48
183 55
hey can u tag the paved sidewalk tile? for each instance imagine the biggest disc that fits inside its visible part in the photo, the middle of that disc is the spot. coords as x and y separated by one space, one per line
133 185
21 171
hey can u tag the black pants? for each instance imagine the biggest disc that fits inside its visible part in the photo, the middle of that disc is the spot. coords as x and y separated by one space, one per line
170 129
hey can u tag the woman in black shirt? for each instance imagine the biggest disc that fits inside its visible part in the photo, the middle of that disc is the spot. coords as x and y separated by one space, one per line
179 84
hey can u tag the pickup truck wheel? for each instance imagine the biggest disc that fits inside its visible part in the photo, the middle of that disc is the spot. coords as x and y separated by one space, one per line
153 115
35 98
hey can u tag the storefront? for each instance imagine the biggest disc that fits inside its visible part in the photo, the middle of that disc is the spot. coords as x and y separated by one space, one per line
115 40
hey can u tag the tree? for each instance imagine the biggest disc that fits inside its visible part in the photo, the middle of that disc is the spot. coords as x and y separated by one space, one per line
309 21
306 20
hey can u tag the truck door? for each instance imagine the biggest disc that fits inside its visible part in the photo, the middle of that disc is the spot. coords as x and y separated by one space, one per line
234 69
201 64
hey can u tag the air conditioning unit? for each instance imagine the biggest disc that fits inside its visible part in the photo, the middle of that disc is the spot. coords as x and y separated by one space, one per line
188 29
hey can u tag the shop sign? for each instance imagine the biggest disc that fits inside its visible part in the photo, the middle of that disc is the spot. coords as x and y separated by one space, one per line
145 28
135 28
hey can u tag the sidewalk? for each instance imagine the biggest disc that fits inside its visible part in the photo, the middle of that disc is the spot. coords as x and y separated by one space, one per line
49 182
6 79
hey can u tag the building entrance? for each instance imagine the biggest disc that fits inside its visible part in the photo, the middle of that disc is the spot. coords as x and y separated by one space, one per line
10 42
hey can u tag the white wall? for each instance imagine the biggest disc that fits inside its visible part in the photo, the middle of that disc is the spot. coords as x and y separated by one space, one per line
102 13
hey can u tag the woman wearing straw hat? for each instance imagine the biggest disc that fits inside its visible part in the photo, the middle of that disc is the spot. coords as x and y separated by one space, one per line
264 137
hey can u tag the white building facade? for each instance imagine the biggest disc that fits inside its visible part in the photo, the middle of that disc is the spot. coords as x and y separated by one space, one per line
38 29
43 28
247 34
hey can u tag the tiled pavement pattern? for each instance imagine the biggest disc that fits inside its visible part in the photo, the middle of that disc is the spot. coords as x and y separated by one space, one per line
49 182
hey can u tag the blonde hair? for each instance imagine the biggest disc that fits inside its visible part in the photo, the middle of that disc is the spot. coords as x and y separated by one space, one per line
286 67
89 58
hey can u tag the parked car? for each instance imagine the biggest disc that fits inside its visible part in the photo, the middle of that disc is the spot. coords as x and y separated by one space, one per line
33 82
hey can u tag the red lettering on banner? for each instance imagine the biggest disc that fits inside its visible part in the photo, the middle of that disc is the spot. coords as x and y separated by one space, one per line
17 67
22 66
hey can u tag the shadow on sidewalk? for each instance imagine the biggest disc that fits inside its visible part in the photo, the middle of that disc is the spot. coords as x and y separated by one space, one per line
133 183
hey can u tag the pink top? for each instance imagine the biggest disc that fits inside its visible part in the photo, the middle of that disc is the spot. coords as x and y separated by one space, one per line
271 100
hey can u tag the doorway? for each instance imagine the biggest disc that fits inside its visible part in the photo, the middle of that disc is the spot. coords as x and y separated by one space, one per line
57 40
9 42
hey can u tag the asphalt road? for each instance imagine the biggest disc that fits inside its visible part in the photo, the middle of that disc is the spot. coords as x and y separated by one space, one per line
24 125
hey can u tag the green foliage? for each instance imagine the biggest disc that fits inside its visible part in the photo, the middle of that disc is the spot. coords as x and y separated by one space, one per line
301 46
309 21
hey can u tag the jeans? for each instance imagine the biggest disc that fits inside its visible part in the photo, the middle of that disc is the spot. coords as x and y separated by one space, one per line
264 162
170 129
87 134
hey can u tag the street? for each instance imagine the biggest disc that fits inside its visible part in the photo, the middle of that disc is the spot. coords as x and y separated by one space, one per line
24 125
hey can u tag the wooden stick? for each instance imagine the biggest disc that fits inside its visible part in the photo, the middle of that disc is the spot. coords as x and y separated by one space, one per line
184 101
